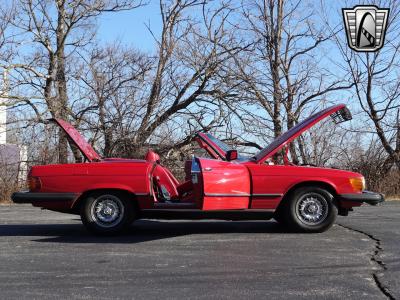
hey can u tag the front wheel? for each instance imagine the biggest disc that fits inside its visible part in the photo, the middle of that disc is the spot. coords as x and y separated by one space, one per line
310 209
107 213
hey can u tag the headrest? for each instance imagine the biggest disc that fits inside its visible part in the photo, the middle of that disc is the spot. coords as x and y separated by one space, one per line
151 156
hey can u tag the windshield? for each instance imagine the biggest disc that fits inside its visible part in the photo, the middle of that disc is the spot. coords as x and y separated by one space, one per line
223 146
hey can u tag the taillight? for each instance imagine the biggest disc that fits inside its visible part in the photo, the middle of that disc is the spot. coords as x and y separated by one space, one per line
34 183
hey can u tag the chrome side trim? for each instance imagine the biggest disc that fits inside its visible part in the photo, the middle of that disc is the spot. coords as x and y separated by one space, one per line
243 195
174 204
226 195
267 195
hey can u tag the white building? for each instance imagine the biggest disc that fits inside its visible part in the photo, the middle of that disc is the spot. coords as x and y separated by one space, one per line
13 158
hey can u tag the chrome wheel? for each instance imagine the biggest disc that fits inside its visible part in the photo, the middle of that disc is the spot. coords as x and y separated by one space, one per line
312 208
107 211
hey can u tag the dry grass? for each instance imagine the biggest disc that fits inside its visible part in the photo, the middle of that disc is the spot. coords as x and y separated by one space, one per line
8 183
6 190
393 198
388 185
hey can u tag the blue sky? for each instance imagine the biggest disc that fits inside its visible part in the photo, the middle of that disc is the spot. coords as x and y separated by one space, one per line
130 26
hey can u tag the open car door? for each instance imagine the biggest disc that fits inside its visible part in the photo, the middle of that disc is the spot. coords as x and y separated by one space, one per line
226 185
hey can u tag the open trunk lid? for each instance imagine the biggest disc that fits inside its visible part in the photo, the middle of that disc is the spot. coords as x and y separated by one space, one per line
86 149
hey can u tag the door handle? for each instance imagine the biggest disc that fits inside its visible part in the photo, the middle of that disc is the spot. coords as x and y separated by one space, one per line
207 169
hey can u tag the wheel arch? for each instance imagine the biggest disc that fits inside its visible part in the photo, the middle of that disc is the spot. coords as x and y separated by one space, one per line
317 183
79 201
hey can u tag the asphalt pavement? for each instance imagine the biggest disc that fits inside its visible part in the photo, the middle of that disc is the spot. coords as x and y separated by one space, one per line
48 255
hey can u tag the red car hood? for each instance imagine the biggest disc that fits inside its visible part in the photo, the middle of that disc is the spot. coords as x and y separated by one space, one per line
339 113
86 149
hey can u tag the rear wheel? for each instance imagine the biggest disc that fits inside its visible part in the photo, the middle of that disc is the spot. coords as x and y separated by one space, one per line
107 212
310 209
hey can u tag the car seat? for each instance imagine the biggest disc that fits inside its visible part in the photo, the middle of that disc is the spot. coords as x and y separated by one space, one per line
168 187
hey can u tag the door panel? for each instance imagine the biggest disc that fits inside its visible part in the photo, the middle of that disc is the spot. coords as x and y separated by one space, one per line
226 185
218 203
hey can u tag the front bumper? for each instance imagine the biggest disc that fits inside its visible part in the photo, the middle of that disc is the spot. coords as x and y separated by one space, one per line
364 197
30 197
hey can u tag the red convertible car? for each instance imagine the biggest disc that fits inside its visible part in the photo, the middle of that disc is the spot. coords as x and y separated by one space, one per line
110 193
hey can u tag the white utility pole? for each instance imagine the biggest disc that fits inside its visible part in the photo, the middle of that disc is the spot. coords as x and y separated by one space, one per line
23 163
3 109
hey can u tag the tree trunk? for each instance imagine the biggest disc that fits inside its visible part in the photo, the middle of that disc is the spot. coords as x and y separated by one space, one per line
292 148
62 100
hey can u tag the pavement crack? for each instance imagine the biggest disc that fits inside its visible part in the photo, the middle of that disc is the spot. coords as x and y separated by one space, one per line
375 258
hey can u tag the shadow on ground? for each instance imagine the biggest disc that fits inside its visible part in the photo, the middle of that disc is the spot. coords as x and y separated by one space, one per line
140 231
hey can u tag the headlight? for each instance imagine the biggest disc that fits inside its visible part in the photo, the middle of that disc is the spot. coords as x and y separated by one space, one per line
358 183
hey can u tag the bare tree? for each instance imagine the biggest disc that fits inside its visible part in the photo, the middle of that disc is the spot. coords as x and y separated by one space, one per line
284 73
114 81
185 87
377 86
59 28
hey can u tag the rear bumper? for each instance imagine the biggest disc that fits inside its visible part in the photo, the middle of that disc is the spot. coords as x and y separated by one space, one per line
29 197
364 197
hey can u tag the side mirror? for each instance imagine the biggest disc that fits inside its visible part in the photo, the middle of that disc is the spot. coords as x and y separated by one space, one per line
231 155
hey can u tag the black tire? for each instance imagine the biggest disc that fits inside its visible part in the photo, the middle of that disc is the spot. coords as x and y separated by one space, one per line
310 209
107 213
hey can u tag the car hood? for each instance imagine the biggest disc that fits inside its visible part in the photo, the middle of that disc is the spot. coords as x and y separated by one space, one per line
339 114
86 149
